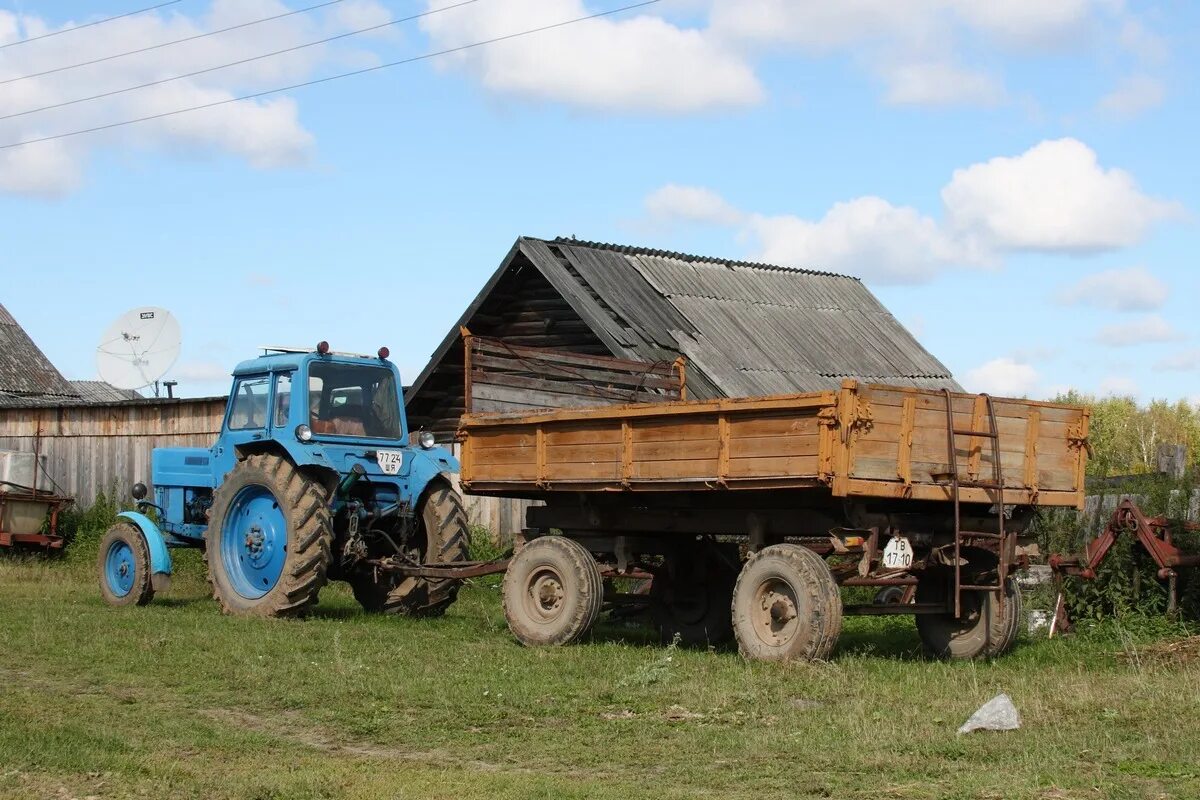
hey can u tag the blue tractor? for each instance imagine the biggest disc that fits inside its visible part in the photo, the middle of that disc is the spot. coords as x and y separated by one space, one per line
312 478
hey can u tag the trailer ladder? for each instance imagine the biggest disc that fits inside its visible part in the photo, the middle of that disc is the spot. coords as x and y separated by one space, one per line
957 484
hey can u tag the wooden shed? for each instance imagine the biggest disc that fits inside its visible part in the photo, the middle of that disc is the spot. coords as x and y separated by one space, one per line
745 329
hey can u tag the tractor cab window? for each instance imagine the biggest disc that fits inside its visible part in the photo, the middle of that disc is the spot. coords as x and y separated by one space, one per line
248 406
353 400
283 398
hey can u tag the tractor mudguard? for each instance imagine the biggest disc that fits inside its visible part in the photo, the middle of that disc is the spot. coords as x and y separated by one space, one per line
428 465
156 544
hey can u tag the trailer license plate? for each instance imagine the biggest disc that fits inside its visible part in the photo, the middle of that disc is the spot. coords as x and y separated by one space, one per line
898 554
389 461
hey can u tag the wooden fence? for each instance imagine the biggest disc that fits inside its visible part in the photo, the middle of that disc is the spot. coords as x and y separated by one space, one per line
91 449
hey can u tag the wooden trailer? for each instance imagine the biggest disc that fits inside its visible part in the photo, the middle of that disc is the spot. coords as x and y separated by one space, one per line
766 505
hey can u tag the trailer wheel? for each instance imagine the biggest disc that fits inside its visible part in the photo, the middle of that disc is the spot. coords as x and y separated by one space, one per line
691 598
443 537
124 567
268 540
552 592
786 606
983 631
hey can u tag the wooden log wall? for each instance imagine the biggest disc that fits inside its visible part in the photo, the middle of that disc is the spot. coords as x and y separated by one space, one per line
92 449
508 377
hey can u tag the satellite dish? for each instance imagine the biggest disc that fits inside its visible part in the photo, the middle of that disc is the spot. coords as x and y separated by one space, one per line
138 348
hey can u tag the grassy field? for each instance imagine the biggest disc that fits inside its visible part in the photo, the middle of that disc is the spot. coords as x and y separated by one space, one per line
174 700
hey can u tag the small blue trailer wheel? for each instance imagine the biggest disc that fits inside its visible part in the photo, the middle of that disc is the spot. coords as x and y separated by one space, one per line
123 565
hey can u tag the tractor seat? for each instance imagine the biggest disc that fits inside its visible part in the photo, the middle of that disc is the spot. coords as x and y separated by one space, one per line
347 421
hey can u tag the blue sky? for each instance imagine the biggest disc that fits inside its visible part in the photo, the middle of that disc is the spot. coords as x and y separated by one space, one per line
1017 182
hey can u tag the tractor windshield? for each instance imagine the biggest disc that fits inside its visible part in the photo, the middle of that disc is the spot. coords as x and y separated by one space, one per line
353 400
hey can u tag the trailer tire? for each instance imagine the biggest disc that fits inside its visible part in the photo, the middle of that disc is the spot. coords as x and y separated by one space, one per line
269 539
983 633
786 606
445 538
552 592
691 598
123 565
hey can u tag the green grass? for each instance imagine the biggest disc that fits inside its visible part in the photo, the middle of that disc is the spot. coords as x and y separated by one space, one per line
174 700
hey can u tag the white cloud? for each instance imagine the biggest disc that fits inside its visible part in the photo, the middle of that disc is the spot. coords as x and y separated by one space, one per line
1133 289
867 237
1053 197
914 47
1133 95
691 204
1146 45
1119 386
49 170
1005 377
940 84
1144 330
1026 23
1183 361
641 63
266 133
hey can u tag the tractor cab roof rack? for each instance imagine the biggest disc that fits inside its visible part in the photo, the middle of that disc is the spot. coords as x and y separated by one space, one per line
269 350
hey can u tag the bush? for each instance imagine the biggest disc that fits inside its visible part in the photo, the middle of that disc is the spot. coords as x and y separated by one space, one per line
82 526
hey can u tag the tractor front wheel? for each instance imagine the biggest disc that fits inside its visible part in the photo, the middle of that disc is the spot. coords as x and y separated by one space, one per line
268 540
124 567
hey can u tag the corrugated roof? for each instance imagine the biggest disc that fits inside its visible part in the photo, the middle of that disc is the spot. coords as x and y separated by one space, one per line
749 328
24 368
102 392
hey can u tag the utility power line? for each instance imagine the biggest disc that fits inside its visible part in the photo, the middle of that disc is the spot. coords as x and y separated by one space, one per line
168 44
90 24
238 63
329 78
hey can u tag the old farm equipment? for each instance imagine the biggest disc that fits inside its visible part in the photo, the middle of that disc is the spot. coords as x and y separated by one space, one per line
28 513
1153 536
751 513
312 478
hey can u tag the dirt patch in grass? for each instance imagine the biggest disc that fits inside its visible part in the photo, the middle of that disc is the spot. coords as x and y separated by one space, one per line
1168 653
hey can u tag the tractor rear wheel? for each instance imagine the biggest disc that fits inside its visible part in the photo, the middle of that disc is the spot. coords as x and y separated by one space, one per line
690 599
786 606
443 536
124 567
983 631
268 540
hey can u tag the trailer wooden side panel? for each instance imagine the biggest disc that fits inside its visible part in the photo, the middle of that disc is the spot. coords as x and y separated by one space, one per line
862 441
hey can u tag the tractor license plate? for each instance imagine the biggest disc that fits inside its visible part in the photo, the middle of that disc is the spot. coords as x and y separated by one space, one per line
898 554
389 461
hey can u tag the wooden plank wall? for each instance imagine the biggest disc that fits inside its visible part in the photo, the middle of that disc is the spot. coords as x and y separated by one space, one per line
91 449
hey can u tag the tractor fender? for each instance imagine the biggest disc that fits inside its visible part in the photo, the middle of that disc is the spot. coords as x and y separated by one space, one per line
156 545
430 465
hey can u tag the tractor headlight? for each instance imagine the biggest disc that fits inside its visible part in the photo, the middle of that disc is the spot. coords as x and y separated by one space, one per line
426 440
139 491
304 433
